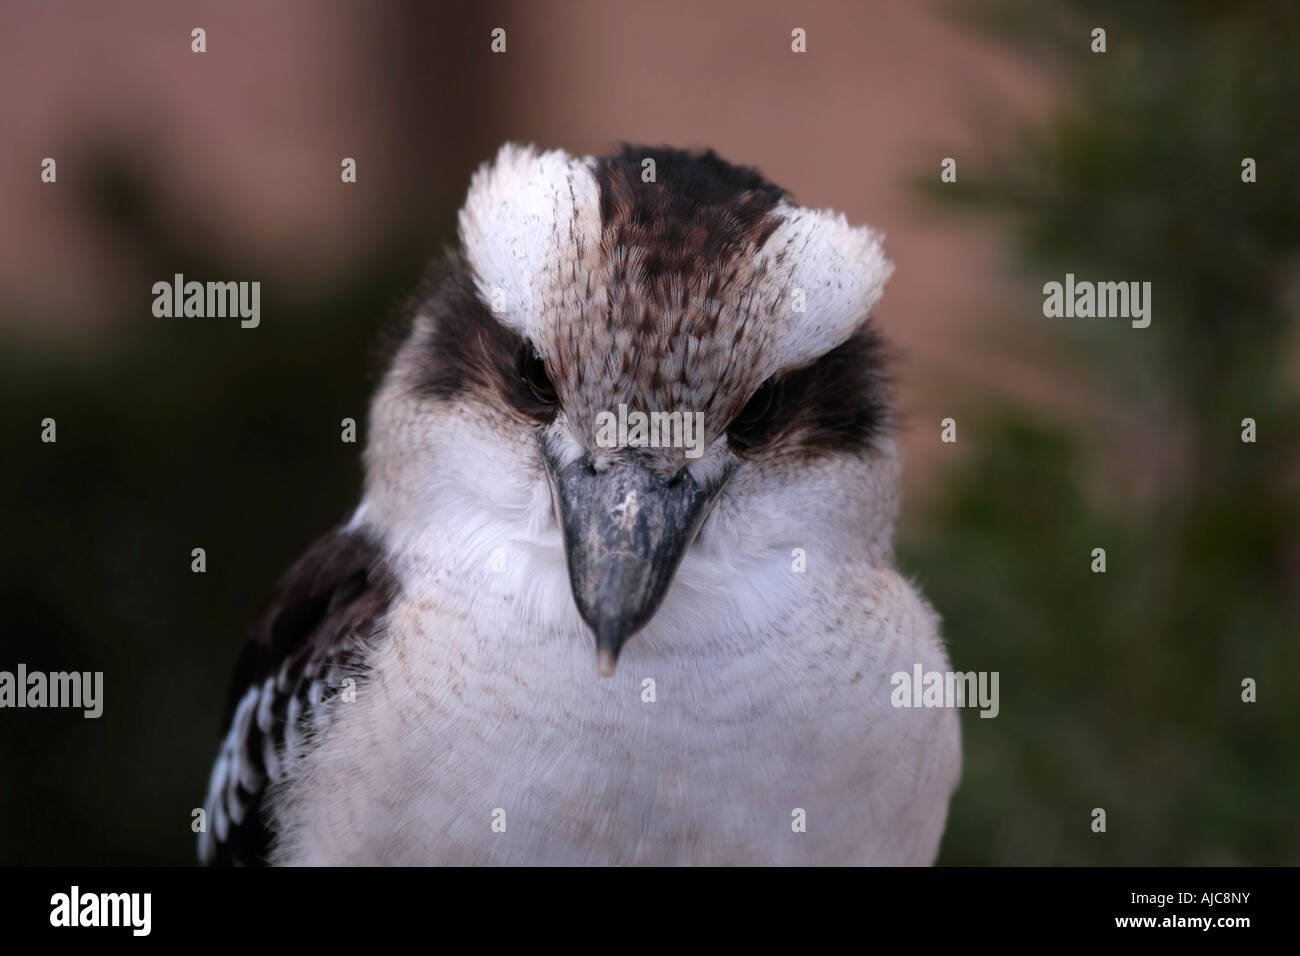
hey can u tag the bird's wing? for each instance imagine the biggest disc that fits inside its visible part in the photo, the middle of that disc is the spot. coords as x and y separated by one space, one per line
312 636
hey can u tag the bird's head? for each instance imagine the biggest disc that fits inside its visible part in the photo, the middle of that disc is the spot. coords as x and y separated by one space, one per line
626 350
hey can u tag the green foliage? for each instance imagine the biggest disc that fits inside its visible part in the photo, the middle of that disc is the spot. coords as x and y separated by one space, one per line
1122 690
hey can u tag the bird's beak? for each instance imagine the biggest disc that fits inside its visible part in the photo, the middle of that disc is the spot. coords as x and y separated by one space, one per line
625 532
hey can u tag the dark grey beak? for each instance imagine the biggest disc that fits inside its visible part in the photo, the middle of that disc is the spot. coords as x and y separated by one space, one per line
625 532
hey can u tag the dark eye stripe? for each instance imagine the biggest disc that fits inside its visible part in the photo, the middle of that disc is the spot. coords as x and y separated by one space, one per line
839 404
532 372
753 425
468 349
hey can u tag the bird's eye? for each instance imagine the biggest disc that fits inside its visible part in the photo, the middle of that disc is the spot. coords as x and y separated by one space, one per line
754 422
532 372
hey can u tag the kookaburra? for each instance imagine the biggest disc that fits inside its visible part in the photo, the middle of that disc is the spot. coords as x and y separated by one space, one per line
435 682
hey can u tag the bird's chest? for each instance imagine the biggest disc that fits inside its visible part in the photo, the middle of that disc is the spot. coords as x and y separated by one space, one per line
472 744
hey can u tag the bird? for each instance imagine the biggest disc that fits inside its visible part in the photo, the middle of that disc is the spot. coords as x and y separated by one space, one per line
528 646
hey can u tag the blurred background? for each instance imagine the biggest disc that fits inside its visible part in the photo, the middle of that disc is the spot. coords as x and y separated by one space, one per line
1119 690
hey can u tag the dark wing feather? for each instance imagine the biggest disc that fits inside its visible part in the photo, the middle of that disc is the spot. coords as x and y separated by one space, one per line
312 636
